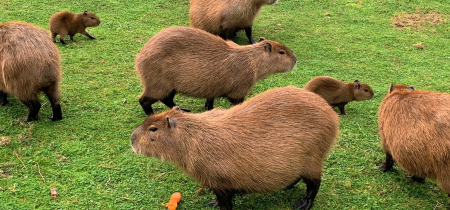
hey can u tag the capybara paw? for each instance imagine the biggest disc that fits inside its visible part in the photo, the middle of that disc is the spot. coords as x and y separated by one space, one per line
304 204
26 119
53 118
213 204
416 179
383 167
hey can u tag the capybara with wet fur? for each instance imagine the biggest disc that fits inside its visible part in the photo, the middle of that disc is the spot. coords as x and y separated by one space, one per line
265 144
66 23
226 17
414 128
29 64
196 63
338 93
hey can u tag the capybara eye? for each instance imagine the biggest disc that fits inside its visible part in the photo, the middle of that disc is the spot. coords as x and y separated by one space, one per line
282 52
153 129
366 90
92 18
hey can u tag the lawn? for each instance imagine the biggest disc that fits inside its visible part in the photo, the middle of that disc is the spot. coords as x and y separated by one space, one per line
87 156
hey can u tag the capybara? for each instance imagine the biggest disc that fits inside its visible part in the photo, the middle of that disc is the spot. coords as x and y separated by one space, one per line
338 93
196 63
414 128
226 17
267 143
29 64
66 23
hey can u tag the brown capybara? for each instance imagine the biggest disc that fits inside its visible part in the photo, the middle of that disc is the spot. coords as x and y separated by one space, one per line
29 64
338 93
414 128
66 23
265 144
226 17
196 63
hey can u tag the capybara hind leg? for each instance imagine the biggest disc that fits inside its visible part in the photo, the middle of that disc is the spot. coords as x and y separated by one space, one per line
88 34
312 188
248 32
62 36
444 180
341 107
53 96
388 164
71 37
33 109
209 103
236 101
3 98
293 184
54 37
224 199
146 103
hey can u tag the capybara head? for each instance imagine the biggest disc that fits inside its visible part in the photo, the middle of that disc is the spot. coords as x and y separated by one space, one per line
400 88
277 56
270 2
362 91
90 19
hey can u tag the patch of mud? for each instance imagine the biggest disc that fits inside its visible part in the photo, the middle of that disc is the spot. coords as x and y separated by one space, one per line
417 20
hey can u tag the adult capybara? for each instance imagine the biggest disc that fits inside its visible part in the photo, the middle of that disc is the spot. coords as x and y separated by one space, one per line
29 64
66 23
265 144
338 93
198 64
414 128
226 17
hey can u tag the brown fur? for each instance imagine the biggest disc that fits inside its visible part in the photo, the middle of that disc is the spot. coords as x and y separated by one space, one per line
29 64
338 93
66 23
198 64
414 128
264 144
226 17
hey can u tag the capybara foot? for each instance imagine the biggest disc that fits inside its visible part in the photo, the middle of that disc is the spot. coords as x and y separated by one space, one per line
27 119
213 204
416 179
53 118
304 204
383 167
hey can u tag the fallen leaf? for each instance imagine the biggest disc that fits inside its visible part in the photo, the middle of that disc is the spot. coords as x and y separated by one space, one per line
53 193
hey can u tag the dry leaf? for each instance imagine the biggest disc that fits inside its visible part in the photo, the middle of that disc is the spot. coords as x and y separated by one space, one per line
53 193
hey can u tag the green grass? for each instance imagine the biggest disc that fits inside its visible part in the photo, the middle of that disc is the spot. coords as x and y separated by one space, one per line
87 156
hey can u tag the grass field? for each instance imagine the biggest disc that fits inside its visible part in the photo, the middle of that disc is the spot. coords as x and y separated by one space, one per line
87 156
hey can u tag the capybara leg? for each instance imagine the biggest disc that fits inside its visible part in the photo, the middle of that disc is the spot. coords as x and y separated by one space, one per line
209 103
52 93
33 109
417 179
236 101
312 188
168 100
146 103
388 164
3 98
224 199
54 37
341 107
248 32
62 36
71 37
444 180
293 184
87 34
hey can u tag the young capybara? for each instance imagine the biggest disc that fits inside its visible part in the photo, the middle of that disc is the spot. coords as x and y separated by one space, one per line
338 93
226 17
29 64
66 23
196 63
414 128
265 144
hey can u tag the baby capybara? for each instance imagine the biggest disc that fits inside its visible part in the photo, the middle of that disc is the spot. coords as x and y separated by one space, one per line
29 64
226 17
338 93
198 64
267 143
66 23
414 128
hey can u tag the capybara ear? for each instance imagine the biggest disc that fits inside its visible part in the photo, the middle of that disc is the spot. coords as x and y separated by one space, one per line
268 47
356 81
411 88
391 88
85 13
176 108
357 86
261 39
171 123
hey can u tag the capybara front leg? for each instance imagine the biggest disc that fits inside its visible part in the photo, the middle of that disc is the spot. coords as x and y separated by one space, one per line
388 164
248 32
71 37
168 100
3 98
236 101
146 103
341 107
209 103
312 188
33 110
54 37
224 199
88 34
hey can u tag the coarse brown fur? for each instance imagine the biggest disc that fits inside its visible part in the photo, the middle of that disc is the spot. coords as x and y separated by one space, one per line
264 144
338 93
226 17
66 23
198 64
29 64
414 128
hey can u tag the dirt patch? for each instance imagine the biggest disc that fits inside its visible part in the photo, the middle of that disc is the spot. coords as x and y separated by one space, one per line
417 20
